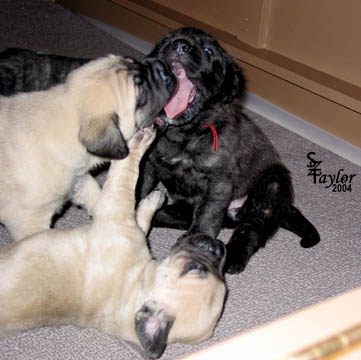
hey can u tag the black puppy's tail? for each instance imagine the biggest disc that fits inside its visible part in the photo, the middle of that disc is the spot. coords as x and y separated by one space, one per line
294 221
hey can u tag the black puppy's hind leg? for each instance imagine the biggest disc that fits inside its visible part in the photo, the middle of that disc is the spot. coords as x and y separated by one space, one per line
260 217
294 221
246 240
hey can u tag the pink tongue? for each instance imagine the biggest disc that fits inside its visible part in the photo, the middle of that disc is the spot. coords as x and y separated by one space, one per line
179 102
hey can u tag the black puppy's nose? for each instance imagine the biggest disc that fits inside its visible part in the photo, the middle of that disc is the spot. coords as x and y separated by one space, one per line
181 47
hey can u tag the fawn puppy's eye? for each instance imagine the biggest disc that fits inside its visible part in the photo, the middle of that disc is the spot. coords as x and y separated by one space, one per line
138 80
196 268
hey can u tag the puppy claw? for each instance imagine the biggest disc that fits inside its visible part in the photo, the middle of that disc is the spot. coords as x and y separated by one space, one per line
142 139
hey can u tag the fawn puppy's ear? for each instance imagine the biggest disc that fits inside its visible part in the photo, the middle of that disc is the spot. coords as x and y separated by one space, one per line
152 329
102 137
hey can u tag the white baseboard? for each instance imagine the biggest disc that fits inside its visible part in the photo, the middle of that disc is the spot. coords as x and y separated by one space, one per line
260 106
303 128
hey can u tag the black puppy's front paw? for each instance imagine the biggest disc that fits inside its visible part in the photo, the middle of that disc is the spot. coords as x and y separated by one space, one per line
234 265
311 240
236 259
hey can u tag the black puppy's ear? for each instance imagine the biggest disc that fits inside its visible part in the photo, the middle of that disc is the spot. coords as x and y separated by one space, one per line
234 82
152 330
102 137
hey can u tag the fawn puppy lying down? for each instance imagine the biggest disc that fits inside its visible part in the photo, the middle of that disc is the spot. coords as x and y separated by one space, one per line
102 275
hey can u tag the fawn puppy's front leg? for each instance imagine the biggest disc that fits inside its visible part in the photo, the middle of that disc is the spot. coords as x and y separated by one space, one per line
118 196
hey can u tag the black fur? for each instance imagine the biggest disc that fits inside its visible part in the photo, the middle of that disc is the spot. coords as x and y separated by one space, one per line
23 70
202 182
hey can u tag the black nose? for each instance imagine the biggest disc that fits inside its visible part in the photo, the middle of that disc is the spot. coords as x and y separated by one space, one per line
181 47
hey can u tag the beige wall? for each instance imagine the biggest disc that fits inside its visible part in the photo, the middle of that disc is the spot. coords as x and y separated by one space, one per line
209 11
324 34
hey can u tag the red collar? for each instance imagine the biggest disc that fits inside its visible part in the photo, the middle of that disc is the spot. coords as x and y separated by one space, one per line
215 135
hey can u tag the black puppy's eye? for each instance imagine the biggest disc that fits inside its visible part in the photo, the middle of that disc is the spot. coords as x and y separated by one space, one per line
208 51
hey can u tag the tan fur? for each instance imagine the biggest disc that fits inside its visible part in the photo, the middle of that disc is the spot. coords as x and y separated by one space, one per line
44 138
102 274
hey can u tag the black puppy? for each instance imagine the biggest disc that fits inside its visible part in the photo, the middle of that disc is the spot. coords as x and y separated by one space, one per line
210 155
23 70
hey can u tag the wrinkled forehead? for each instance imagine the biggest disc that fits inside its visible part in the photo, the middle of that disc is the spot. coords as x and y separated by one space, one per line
173 267
207 260
198 310
194 301
192 292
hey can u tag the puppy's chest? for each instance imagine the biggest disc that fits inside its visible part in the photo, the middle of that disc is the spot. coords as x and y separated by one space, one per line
173 157
180 165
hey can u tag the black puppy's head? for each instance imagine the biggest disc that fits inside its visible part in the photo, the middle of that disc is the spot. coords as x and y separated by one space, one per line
206 73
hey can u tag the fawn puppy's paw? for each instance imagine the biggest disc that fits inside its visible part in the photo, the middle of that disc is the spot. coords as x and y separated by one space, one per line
154 200
142 139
